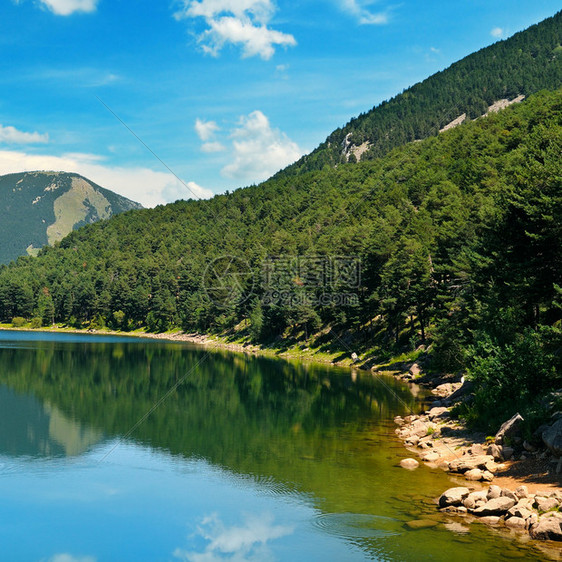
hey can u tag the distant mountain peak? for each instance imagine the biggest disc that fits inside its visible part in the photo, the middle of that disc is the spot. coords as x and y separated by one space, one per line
42 207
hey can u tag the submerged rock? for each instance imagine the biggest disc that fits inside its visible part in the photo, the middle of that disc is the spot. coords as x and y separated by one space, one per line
409 464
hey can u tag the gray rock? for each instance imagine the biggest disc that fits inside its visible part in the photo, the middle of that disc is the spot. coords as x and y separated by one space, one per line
515 523
431 457
495 452
548 528
453 496
507 453
409 464
509 494
497 506
522 492
493 492
475 475
414 370
529 447
475 499
519 511
546 504
511 429
440 412
552 438
418 428
399 420
477 450
468 462
487 476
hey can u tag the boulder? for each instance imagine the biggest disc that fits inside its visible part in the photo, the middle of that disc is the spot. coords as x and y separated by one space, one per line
515 523
509 494
409 464
552 438
475 499
546 504
418 428
477 450
510 429
453 496
468 462
440 412
507 453
495 452
522 492
519 511
431 457
497 506
487 476
414 370
547 528
475 475
493 492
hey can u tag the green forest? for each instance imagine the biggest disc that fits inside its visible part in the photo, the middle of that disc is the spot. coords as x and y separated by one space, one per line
454 242
529 61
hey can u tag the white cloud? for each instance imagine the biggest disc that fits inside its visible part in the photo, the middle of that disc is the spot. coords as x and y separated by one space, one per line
146 186
206 131
360 10
236 543
68 7
497 32
435 50
65 557
11 135
210 147
258 149
238 22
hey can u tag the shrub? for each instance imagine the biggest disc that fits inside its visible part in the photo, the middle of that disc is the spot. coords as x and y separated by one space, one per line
18 322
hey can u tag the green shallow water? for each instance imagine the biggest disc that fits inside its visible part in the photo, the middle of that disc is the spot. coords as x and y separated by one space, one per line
124 449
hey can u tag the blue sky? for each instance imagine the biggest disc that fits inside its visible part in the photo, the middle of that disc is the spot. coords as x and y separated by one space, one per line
224 92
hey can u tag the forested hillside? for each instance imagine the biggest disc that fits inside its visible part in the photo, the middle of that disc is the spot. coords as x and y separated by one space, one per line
39 208
521 65
458 241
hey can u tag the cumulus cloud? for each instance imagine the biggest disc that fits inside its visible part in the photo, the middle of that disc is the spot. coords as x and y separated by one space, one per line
146 186
258 149
239 22
360 10
68 7
248 542
497 32
11 135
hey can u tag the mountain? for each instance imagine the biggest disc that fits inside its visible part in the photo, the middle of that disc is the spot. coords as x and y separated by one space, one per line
527 62
39 208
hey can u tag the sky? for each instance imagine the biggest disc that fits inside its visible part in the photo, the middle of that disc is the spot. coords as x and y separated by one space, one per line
160 100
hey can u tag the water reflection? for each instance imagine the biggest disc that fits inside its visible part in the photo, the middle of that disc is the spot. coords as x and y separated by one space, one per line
246 541
246 459
29 427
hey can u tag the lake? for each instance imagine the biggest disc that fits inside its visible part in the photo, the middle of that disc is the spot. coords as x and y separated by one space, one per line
115 448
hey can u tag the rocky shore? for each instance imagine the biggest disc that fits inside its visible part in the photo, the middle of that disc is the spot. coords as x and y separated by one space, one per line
510 481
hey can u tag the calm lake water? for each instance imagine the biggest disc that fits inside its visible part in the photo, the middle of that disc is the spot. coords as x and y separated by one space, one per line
126 449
